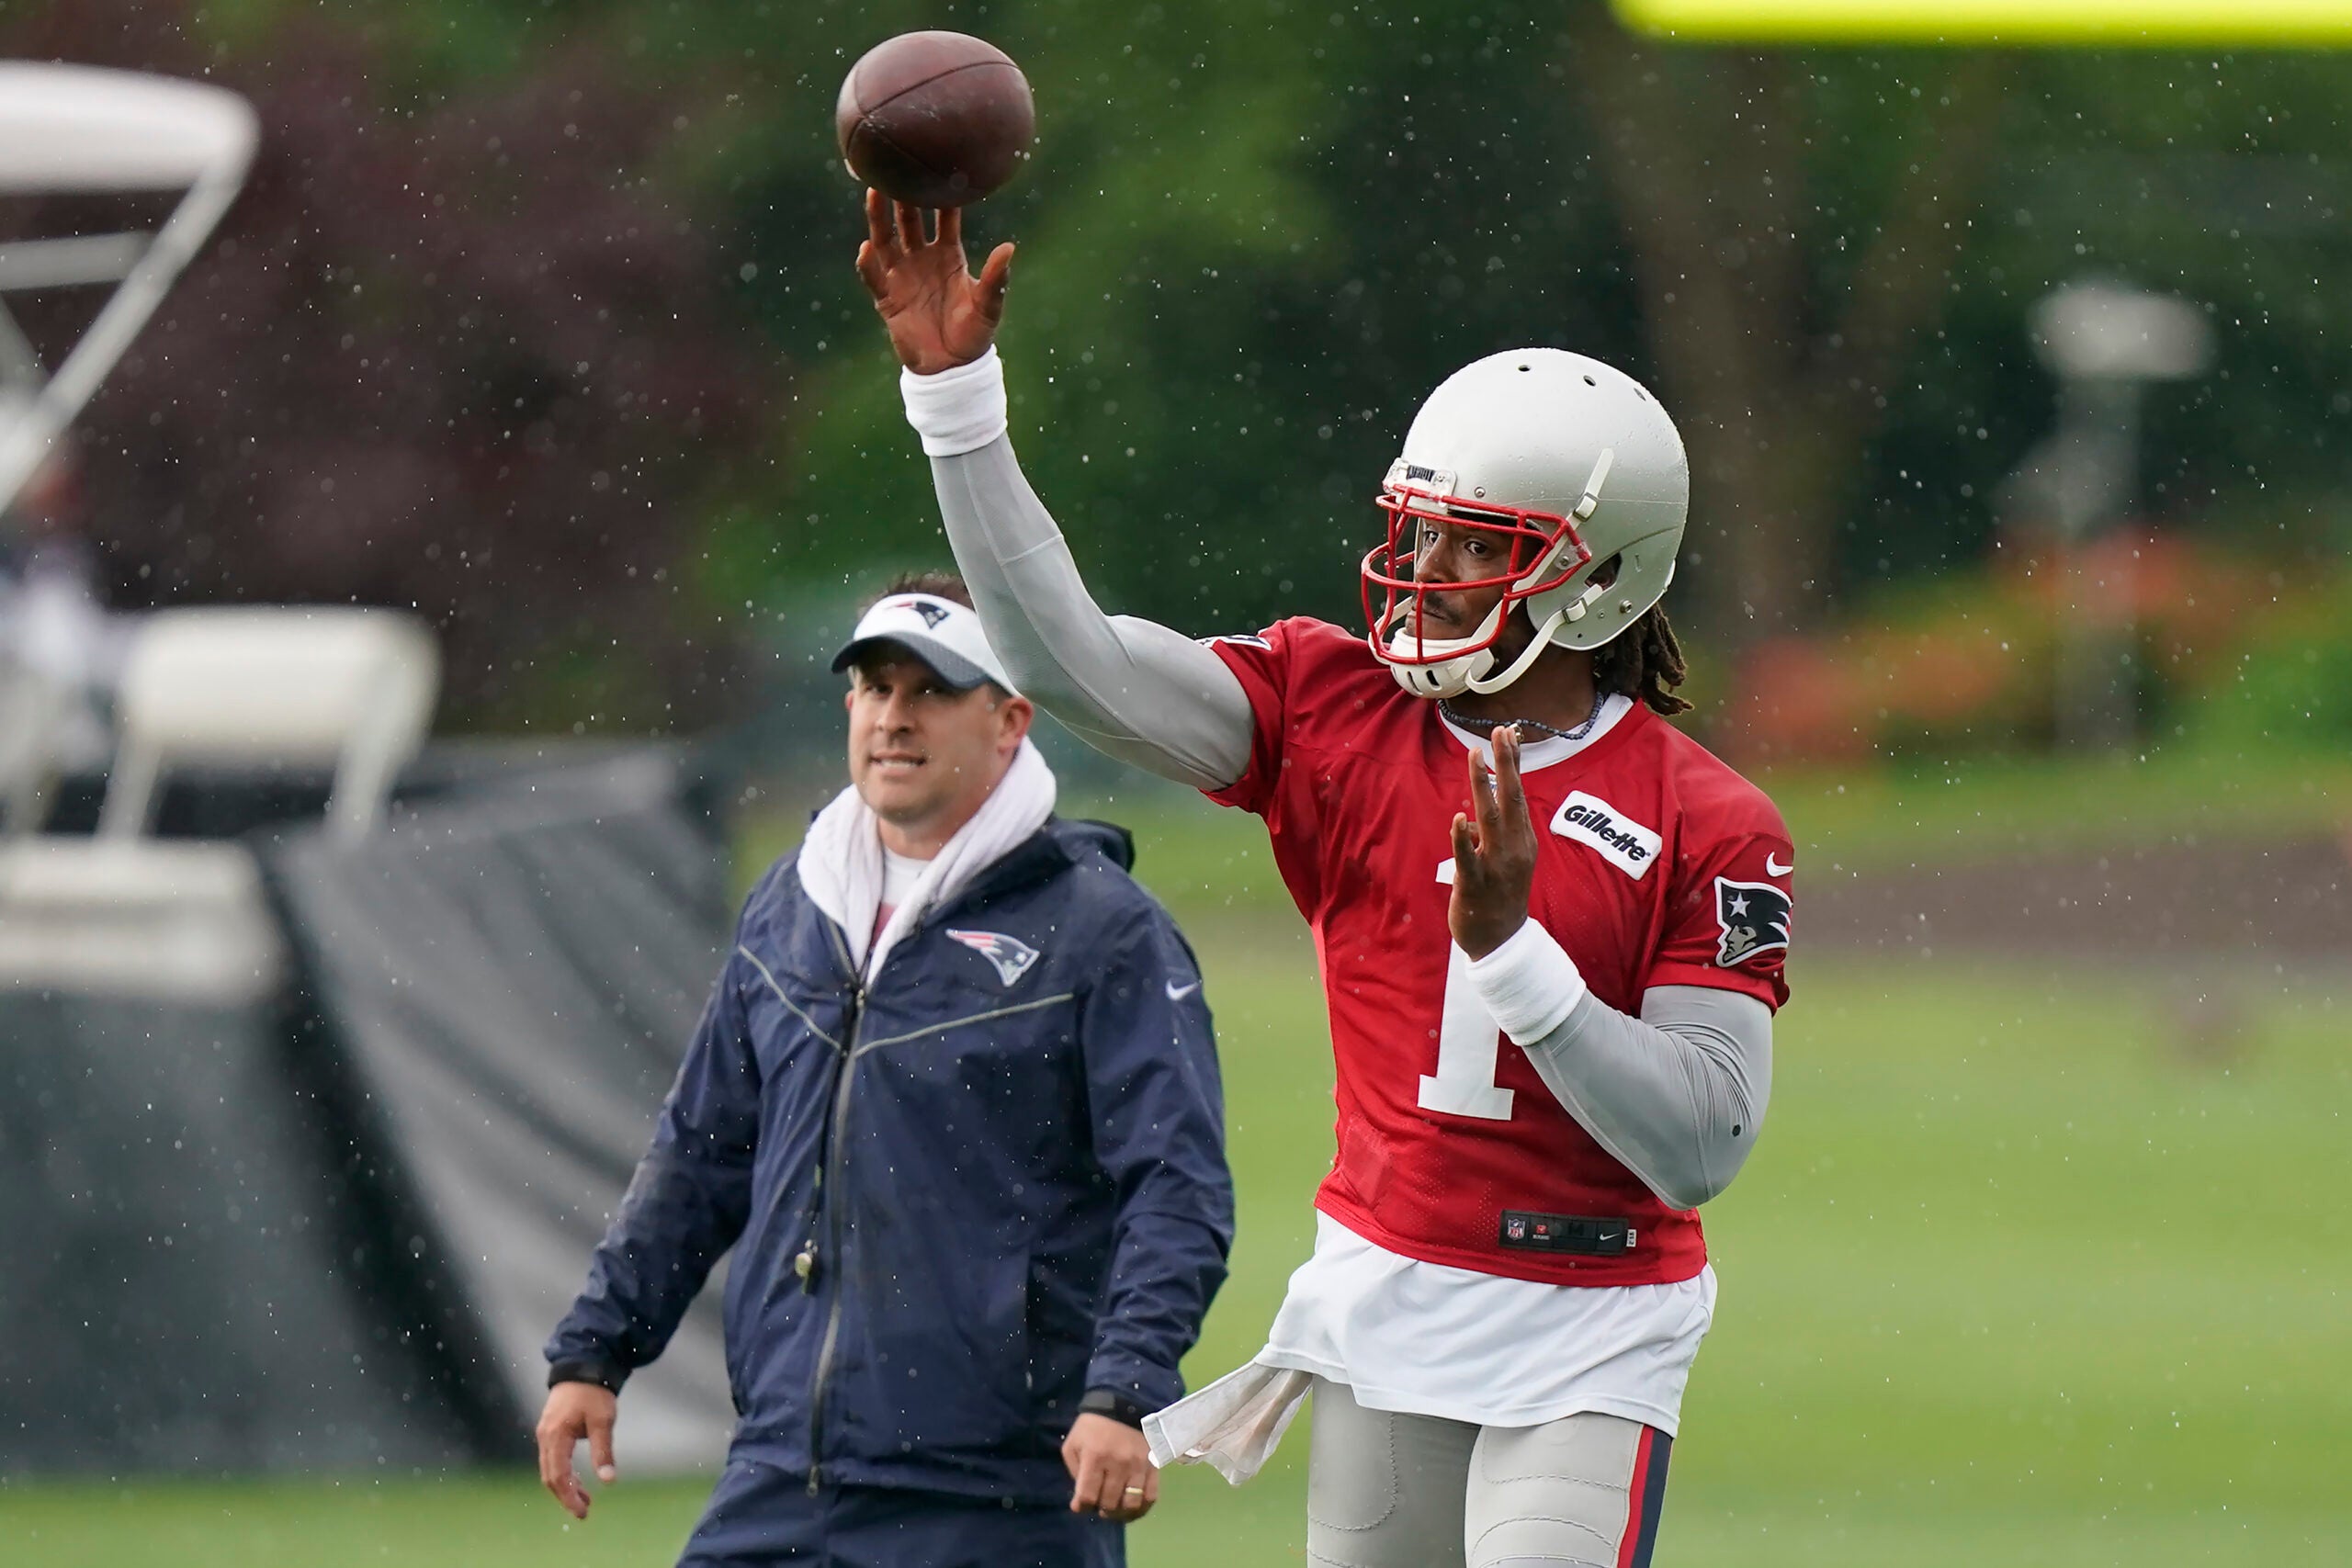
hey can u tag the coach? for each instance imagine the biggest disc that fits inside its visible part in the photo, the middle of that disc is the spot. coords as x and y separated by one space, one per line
955 1096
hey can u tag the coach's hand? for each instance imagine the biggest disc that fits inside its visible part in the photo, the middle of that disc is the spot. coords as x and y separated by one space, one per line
1111 1463
575 1411
1494 856
939 315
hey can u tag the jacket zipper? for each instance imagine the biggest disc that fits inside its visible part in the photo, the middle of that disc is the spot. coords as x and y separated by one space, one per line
831 1180
804 1262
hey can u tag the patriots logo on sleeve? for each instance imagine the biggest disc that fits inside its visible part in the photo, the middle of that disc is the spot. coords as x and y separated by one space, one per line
1753 917
1011 955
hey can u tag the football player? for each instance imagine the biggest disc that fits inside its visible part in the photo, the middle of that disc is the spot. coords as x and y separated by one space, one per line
1551 928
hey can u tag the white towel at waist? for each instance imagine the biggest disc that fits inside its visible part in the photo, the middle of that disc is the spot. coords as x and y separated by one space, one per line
1233 1424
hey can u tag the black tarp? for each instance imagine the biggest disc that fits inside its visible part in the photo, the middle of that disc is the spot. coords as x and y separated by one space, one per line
511 977
329 1226
190 1280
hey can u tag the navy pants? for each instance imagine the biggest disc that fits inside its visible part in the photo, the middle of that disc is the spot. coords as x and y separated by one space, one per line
760 1515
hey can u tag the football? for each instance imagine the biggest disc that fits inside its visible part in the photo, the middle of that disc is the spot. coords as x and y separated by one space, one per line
936 119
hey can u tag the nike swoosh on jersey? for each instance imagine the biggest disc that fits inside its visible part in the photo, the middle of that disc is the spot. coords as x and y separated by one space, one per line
1773 868
1176 993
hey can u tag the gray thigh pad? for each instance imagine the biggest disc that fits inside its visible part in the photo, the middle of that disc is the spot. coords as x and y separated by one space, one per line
1384 1490
1554 1495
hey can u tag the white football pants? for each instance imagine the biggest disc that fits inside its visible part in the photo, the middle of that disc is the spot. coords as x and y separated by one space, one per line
1389 1491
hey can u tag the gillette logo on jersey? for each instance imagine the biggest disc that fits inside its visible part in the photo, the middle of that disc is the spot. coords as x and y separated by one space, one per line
1451 1147
1628 846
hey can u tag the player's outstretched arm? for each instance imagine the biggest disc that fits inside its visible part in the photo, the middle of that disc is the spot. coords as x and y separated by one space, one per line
1133 689
1130 688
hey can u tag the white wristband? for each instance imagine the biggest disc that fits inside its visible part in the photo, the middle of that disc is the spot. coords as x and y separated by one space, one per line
959 410
1529 984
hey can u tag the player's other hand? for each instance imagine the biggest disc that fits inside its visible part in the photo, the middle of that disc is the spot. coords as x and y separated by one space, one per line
1111 1464
939 315
1494 853
576 1411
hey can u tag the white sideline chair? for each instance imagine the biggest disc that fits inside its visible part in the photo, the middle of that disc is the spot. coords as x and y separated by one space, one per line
161 920
273 686
186 921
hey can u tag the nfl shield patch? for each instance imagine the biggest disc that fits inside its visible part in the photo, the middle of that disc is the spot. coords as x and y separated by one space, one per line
1011 955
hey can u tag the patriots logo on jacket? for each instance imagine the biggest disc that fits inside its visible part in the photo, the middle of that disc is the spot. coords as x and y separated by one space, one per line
1753 917
1011 955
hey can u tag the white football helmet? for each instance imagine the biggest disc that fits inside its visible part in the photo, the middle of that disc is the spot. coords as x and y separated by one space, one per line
1571 462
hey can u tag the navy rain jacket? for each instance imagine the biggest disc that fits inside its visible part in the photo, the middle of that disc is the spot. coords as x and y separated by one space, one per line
960 1198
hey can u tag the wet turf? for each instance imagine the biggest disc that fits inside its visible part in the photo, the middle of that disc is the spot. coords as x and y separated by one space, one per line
2010 1280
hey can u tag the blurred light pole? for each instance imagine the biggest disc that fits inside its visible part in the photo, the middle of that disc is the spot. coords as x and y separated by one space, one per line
2104 344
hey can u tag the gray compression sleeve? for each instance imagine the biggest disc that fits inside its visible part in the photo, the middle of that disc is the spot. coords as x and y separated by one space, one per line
1131 688
1676 1094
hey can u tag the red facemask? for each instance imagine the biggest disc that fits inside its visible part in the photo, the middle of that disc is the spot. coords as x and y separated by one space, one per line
1415 495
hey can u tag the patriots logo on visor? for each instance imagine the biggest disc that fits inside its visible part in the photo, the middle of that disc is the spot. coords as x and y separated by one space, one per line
932 611
1753 917
1012 956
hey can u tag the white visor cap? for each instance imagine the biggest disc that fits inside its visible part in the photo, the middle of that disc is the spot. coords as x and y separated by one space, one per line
943 634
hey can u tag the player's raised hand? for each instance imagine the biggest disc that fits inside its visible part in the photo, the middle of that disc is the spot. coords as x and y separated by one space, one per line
1494 853
939 315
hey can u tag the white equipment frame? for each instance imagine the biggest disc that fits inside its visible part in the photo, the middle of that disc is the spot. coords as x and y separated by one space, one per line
81 129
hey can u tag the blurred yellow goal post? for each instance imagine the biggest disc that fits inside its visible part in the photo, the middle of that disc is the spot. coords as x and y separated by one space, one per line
2247 24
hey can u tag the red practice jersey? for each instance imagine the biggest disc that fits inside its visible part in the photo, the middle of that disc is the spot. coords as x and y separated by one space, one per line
1657 865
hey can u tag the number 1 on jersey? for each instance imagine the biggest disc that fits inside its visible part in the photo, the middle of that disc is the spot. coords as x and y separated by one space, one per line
1469 1043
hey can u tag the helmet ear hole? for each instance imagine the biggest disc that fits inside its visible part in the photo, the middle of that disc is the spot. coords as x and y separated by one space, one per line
1605 574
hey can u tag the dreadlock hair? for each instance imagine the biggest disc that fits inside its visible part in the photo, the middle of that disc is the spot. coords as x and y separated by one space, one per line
1644 661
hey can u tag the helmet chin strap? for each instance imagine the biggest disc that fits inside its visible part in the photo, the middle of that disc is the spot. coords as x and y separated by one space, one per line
1517 667
1445 676
1452 677
1574 610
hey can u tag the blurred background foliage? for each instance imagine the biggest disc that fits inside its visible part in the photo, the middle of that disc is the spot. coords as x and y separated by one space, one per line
538 315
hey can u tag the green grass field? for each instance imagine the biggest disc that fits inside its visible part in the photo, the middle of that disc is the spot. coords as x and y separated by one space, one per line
1853 819
2012 1279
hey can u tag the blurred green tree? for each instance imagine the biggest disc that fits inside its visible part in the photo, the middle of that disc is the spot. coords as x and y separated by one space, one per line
1257 231
1786 270
1825 260
456 355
